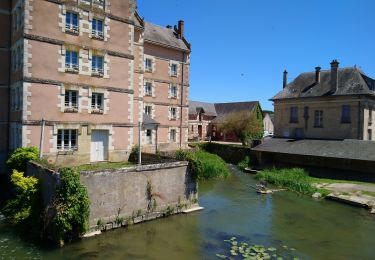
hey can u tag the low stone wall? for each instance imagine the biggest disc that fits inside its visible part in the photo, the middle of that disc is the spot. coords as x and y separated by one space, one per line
129 195
136 194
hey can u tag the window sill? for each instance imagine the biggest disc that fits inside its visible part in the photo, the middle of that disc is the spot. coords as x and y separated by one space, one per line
97 74
173 76
97 111
72 71
72 32
173 97
97 37
148 70
70 110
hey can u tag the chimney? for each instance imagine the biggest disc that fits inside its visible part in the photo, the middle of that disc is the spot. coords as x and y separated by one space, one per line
317 74
181 29
334 75
285 79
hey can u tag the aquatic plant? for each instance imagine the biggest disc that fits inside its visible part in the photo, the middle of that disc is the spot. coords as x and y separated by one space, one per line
243 250
294 179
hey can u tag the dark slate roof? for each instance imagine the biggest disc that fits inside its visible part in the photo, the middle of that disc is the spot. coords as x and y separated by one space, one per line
164 36
344 149
226 108
147 120
351 81
208 108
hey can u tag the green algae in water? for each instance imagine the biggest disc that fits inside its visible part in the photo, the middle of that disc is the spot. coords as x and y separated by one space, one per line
245 251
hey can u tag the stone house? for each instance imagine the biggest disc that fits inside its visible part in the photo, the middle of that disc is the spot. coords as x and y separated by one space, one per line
88 70
205 119
329 104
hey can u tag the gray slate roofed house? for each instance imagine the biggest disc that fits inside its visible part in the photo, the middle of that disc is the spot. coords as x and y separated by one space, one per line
196 106
226 108
164 36
351 81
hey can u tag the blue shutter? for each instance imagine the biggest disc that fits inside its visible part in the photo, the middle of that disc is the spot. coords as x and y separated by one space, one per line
94 65
94 27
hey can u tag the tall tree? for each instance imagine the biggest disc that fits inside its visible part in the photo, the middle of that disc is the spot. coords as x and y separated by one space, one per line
246 125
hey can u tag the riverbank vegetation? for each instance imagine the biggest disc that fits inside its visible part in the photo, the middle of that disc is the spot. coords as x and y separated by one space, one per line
294 179
230 153
204 165
66 215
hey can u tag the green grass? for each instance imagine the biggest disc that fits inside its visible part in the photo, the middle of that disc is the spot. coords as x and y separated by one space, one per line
330 181
102 166
294 179
205 165
369 193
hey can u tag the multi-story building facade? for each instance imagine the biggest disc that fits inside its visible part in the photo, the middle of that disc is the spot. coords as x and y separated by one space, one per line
331 104
79 76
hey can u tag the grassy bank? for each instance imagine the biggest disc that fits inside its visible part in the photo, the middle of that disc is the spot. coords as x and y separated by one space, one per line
205 165
294 179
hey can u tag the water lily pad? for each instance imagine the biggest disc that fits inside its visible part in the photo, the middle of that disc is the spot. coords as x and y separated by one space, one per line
271 249
221 256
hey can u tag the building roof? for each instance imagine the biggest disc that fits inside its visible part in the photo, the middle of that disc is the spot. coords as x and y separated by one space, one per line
226 108
208 108
343 149
351 81
164 36
147 120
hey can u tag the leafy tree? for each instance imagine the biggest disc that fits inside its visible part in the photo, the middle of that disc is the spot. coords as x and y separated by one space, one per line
19 158
21 208
246 125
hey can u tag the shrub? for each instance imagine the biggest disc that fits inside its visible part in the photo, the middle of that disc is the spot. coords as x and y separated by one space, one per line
25 204
230 153
133 157
295 179
245 163
70 208
19 158
204 165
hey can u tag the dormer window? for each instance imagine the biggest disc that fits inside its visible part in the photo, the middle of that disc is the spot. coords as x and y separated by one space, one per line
97 29
71 23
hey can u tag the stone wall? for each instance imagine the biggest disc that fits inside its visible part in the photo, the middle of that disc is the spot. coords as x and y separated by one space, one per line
130 195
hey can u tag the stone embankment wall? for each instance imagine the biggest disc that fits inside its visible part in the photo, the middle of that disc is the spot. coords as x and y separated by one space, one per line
130 195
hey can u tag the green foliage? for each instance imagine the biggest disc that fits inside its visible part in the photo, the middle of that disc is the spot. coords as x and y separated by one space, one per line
19 158
295 179
133 157
245 163
230 153
71 207
24 206
204 165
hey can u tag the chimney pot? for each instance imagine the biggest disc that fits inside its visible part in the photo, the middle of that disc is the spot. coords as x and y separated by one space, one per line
285 79
317 74
181 25
334 75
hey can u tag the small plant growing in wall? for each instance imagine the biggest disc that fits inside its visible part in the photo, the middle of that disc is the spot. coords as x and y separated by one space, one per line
100 224
150 197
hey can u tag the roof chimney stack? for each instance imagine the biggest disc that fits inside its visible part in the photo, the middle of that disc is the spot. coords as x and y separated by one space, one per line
285 79
317 74
180 31
334 75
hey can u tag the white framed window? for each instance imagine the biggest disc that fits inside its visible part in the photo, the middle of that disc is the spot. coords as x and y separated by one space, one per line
148 136
97 29
173 91
99 3
148 64
71 61
173 135
148 110
86 2
97 101
173 113
97 66
67 139
148 89
71 101
72 22
174 68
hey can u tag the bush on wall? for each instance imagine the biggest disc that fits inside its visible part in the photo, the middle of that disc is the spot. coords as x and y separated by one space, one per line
19 158
67 216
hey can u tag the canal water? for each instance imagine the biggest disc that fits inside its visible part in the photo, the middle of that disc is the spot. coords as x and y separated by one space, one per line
316 229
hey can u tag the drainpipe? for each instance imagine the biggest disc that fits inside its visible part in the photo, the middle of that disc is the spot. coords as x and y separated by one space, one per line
182 97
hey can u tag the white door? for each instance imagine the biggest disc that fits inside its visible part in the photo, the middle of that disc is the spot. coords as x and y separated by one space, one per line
99 145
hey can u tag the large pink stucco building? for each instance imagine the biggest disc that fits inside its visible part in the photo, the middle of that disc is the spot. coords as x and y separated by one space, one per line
92 69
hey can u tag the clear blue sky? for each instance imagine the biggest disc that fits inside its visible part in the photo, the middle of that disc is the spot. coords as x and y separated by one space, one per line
241 47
